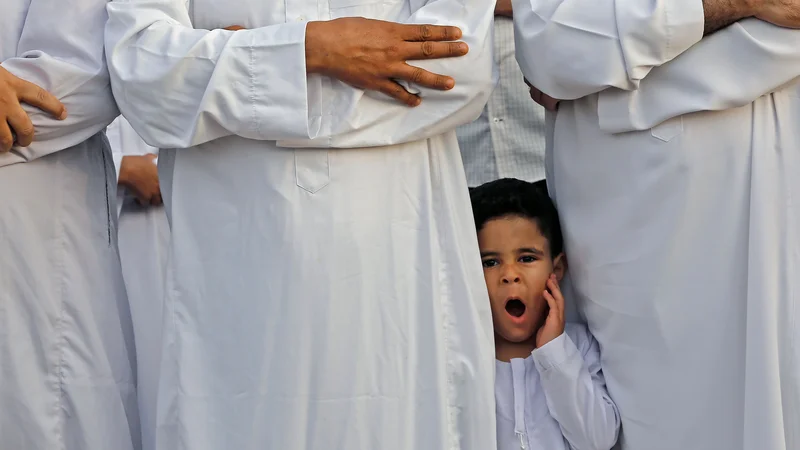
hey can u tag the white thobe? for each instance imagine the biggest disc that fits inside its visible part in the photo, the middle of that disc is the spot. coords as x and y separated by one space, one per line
556 399
677 188
143 246
320 294
66 345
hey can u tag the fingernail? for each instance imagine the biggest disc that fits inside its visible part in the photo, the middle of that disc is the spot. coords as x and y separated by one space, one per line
63 114
463 47
450 83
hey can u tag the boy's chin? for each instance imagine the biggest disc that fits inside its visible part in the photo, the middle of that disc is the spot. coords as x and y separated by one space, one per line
516 336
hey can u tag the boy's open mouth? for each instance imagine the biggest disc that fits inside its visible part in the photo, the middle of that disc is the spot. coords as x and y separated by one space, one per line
515 307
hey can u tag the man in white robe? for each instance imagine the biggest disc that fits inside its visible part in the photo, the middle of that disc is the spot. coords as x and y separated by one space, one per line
324 288
143 246
66 346
674 165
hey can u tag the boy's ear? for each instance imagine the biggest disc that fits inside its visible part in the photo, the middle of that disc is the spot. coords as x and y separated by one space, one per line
560 266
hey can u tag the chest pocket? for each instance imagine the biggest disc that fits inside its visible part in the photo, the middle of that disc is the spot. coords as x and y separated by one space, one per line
213 14
668 130
312 169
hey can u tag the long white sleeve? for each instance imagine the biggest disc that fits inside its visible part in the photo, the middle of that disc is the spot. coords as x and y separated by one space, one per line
575 389
61 50
728 69
573 48
367 119
180 87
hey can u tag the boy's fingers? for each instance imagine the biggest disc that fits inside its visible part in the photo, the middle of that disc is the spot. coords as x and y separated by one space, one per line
551 302
555 293
556 289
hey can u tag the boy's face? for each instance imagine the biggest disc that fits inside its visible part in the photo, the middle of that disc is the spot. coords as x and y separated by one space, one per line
516 266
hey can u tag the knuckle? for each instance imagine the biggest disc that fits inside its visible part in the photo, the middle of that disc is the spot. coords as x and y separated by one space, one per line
399 92
447 33
417 75
388 90
25 131
425 31
428 48
6 142
393 50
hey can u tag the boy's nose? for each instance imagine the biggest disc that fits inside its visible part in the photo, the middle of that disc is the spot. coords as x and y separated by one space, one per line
511 277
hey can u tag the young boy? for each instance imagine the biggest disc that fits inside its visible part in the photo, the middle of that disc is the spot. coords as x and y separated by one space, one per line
550 389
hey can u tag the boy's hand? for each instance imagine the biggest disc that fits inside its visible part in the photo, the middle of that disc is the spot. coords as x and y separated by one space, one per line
554 323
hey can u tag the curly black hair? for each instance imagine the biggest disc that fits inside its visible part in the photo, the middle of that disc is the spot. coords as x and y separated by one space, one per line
513 197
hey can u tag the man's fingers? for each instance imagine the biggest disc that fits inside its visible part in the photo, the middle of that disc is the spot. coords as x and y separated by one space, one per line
536 95
21 126
434 50
549 103
234 28
396 91
420 33
424 78
35 96
6 138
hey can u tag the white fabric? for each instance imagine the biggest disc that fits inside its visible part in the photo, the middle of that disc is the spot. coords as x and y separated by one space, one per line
507 140
66 344
683 238
690 83
34 48
321 297
618 42
143 249
556 399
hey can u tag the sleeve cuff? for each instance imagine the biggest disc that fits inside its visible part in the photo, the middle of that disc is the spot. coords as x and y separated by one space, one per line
279 86
555 353
686 22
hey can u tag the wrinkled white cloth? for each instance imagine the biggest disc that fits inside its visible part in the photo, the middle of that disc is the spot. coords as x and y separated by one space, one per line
675 173
556 398
66 346
143 249
324 290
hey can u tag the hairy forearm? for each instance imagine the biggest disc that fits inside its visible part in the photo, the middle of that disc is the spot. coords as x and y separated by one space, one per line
721 13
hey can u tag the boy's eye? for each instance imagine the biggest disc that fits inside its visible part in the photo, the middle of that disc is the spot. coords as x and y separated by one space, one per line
527 259
489 262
